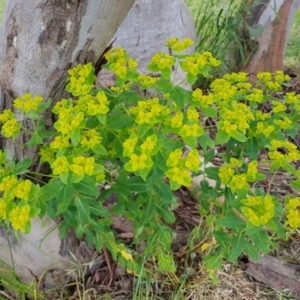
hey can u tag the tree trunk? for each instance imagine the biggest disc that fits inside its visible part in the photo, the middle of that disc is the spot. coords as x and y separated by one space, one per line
40 41
276 17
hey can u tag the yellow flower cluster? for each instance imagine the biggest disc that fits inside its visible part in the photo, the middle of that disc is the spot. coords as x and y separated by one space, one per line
178 46
149 111
272 82
19 216
293 212
292 154
147 81
91 138
146 148
10 126
180 172
83 165
258 210
161 61
28 103
81 79
202 100
231 118
12 187
228 173
120 63
195 63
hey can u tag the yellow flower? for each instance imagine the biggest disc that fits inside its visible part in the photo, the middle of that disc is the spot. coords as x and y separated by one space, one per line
174 158
149 144
192 114
129 145
11 128
191 130
83 165
138 161
91 138
193 161
2 209
7 186
278 107
179 46
239 182
147 81
252 169
23 188
251 216
180 176
6 115
19 216
60 142
176 121
225 174
27 103
235 163
162 61
46 153
60 165
262 209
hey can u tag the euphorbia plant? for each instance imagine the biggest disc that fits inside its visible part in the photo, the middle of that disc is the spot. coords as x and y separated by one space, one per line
143 147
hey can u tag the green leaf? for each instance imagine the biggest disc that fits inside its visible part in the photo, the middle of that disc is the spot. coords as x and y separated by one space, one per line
210 111
49 190
166 73
75 137
252 148
23 165
99 149
34 211
222 238
260 238
98 241
209 156
69 217
64 177
222 137
251 251
119 121
237 247
232 222
101 118
191 79
35 140
166 262
87 187
212 172
63 229
83 210
205 141
214 262
181 96
289 168
47 133
296 184
191 141
142 129
137 184
65 197
164 191
239 137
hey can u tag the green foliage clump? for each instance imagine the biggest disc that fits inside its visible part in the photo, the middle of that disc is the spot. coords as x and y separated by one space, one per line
122 141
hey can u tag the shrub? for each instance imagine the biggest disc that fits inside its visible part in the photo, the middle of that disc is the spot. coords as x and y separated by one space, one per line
117 141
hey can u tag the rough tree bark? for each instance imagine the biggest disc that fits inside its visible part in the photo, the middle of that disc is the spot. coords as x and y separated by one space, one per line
40 41
276 16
